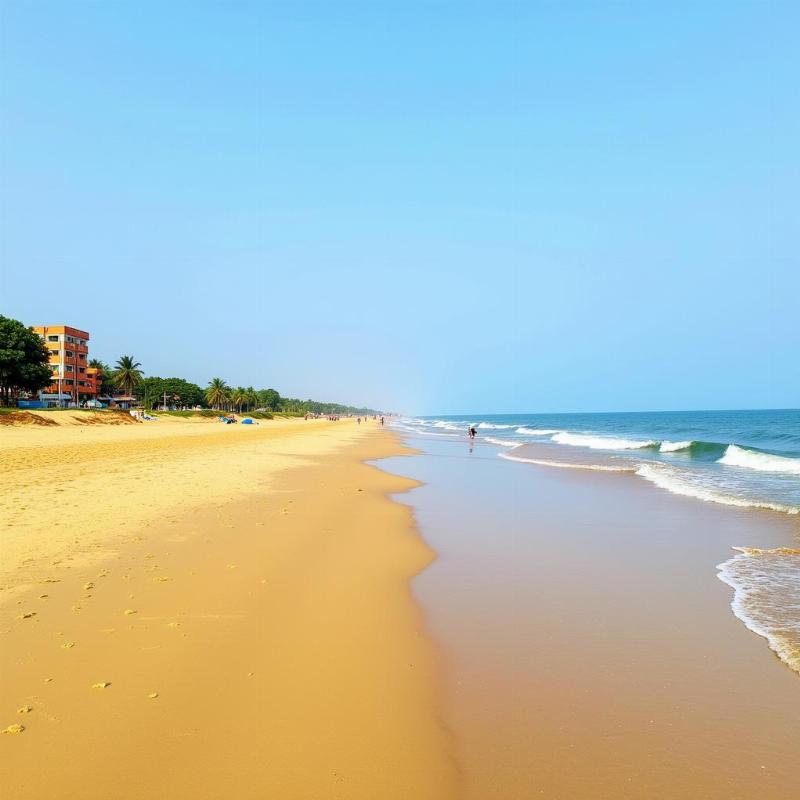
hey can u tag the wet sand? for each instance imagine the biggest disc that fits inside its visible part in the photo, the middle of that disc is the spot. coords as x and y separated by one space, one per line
250 636
590 650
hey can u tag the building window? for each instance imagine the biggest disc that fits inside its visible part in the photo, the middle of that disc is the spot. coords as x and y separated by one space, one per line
70 354
52 338
69 367
82 356
69 381
54 352
81 369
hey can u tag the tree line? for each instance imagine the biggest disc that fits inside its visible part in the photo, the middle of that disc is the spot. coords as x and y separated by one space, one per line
25 367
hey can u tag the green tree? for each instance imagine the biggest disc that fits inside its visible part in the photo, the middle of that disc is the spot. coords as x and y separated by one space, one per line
127 375
269 399
151 392
217 393
24 360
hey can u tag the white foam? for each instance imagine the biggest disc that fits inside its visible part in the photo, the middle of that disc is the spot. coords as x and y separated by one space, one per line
599 442
537 431
766 596
565 464
492 426
447 425
674 447
502 442
736 456
673 481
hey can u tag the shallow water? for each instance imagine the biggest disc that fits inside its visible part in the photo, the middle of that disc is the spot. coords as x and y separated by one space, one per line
590 650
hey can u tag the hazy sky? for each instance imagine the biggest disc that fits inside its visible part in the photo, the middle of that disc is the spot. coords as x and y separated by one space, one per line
435 207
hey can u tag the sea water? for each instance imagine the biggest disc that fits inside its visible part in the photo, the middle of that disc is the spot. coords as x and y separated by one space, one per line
745 459
740 458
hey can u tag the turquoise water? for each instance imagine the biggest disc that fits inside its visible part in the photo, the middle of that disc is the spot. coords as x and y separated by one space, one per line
740 458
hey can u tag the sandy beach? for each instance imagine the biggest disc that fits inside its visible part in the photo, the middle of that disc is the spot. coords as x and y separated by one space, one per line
196 610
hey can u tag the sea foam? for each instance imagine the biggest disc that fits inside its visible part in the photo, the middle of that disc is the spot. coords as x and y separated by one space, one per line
537 431
674 447
600 442
766 596
736 456
566 464
674 481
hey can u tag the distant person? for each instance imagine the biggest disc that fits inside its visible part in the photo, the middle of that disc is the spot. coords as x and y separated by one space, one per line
381 420
472 432
359 420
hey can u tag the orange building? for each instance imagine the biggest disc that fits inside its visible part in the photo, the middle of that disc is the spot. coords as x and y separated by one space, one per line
73 378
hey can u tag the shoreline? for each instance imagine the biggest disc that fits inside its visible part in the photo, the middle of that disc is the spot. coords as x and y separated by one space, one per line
592 651
265 645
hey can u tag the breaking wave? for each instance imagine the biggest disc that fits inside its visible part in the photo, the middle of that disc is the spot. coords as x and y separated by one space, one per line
536 431
600 442
674 447
736 456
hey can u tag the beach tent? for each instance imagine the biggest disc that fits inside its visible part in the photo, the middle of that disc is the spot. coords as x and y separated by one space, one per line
248 421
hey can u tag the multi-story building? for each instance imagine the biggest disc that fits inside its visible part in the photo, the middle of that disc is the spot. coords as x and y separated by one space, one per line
73 379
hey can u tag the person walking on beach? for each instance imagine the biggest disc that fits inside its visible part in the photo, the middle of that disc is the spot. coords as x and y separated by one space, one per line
472 433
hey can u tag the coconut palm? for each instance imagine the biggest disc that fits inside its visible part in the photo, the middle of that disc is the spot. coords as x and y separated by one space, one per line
127 375
217 393
252 398
238 397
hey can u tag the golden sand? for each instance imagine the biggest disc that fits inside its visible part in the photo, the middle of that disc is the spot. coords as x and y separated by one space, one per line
207 611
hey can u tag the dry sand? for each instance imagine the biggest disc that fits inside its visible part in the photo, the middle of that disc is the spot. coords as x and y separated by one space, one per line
201 611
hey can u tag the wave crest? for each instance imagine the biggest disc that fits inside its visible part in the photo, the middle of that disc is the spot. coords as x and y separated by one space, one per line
736 456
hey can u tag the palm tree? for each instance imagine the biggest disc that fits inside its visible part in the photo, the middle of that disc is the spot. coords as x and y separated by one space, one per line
239 397
127 374
217 393
252 398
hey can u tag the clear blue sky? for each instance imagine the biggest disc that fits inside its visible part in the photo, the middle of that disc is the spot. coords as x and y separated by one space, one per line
435 207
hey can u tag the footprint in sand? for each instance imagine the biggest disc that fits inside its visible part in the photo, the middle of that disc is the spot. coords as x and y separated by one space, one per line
68 645
24 710
14 729
129 611
152 695
88 586
27 615
101 685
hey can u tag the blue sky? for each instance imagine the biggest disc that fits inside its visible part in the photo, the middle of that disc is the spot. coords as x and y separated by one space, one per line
433 207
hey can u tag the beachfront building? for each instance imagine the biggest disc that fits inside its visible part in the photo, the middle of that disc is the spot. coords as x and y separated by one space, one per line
74 381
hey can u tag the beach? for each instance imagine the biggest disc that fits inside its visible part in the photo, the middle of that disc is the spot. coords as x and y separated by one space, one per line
317 609
198 610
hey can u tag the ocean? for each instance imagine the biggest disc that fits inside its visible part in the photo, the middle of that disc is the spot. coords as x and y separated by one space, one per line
749 460
739 458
